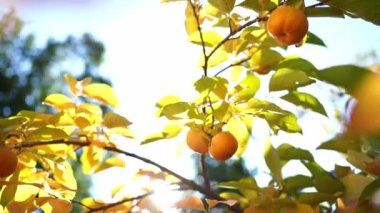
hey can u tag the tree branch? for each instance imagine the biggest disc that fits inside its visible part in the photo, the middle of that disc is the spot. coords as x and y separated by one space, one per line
205 66
206 179
108 206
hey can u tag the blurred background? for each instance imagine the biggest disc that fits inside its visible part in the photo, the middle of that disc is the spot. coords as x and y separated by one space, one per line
141 49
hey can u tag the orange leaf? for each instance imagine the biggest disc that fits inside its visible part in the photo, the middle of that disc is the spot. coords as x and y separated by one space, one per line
196 203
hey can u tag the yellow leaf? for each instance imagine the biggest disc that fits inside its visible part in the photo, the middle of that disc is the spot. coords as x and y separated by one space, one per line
72 83
218 57
210 38
110 162
46 134
102 93
91 157
190 21
117 189
59 101
239 129
121 131
112 120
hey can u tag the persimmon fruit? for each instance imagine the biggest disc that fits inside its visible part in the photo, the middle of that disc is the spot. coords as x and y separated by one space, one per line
8 162
223 145
288 25
198 140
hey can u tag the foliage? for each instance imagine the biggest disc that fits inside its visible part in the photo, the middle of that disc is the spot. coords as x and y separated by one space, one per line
29 72
235 49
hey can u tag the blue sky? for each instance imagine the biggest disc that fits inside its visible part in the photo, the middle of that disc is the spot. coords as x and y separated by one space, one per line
148 56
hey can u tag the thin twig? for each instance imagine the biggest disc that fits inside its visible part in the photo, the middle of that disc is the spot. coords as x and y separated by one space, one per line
232 65
108 206
81 204
205 66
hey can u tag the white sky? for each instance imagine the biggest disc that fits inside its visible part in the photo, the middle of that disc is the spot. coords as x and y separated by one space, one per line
148 56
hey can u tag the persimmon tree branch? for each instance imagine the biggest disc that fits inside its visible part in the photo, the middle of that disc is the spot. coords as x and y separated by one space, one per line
108 206
206 179
193 7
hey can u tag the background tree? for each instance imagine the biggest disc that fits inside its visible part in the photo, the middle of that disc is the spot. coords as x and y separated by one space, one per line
242 50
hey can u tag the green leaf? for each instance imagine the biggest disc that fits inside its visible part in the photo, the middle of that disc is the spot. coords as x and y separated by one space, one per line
340 144
257 5
324 12
345 76
225 6
112 120
315 198
314 39
305 100
109 163
289 79
273 162
46 134
294 183
247 183
370 189
59 101
264 58
246 88
215 59
296 63
323 181
238 128
215 86
277 118
288 152
367 10
102 93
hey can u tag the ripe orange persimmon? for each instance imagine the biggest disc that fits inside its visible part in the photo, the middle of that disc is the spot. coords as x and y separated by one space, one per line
198 140
288 25
223 146
8 162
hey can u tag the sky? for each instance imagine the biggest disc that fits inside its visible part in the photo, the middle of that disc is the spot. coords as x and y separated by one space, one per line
148 56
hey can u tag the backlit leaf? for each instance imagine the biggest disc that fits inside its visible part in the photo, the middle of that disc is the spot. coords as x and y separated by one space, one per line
9 191
190 21
211 38
72 83
46 134
59 101
264 58
296 63
225 6
273 162
110 162
242 184
246 88
102 93
305 100
238 128
174 111
112 120
216 86
217 58
288 79
170 131
168 99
